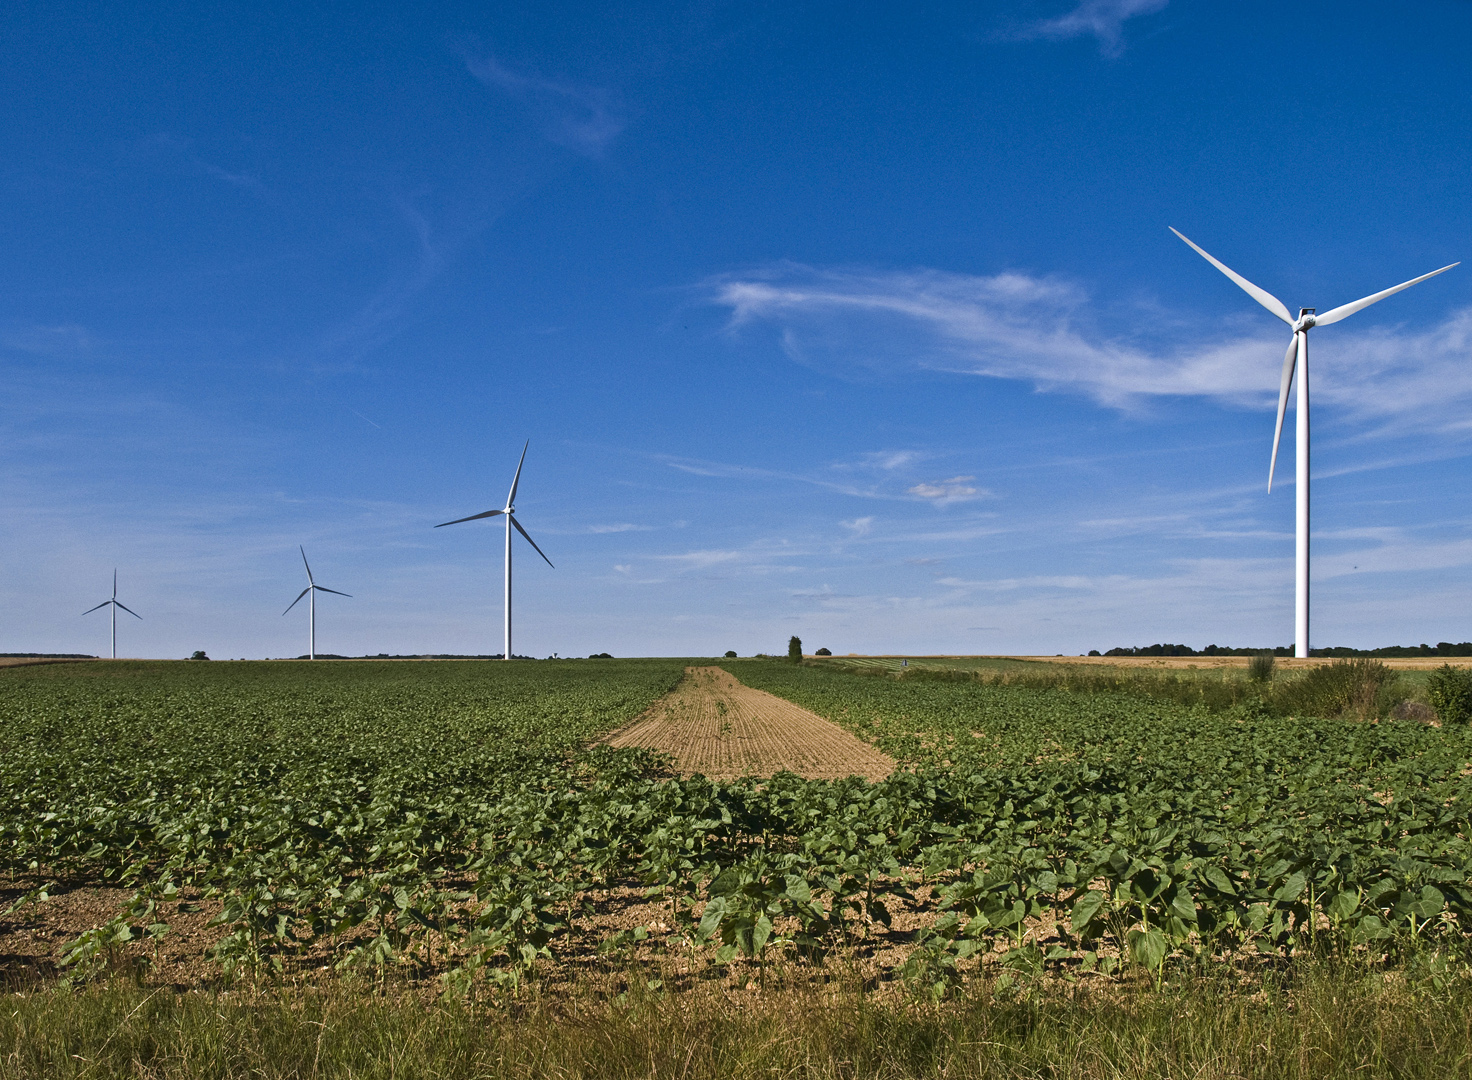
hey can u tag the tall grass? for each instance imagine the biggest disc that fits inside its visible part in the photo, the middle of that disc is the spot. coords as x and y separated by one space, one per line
1359 688
1314 1020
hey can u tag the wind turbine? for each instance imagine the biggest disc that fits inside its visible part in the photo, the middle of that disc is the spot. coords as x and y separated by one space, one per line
1297 357
511 522
311 592
114 604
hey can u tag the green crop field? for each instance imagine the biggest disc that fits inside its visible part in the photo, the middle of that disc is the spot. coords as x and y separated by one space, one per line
448 818
1071 871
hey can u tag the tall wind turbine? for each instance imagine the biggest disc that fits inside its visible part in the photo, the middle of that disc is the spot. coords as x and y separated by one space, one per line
114 604
511 522
310 592
1297 357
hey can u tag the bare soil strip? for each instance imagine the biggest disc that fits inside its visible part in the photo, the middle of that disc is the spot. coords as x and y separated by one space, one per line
712 724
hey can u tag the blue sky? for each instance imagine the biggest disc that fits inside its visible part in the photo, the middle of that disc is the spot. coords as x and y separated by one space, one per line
854 321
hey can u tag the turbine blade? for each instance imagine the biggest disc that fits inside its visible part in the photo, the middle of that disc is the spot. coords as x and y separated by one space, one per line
530 541
1290 361
129 610
90 610
305 563
114 582
1262 296
334 592
298 599
1344 311
511 499
472 517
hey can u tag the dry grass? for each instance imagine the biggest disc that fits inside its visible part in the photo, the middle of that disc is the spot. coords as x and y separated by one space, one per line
1313 1021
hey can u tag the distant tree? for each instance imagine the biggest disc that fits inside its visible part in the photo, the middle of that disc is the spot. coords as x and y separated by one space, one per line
730 654
1093 652
823 652
600 656
794 649
199 655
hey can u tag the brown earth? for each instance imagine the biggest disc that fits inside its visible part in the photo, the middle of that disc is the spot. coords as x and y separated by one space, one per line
29 661
712 724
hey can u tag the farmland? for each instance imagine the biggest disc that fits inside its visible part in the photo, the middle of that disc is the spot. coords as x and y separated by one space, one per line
450 823
714 725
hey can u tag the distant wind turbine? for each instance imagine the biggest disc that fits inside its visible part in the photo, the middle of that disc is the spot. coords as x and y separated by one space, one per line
310 592
511 522
114 604
1297 357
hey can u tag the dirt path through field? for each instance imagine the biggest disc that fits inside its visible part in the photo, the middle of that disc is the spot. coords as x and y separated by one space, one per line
712 724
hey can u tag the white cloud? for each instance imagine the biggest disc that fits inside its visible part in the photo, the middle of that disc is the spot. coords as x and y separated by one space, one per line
700 560
1103 19
944 492
582 118
884 460
859 526
621 527
1044 330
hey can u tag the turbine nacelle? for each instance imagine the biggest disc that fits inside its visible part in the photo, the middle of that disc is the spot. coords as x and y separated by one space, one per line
1306 320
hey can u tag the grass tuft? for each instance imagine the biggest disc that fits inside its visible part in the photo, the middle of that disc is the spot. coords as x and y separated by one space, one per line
1317 1019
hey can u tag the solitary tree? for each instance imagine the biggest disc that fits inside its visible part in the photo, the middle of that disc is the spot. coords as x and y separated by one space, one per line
730 654
794 649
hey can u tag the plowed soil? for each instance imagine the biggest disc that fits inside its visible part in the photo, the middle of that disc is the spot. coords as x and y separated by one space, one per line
712 724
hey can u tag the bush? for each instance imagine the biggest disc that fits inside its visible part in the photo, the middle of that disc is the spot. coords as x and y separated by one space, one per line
199 655
794 649
1260 667
601 656
730 654
1450 691
1359 687
823 652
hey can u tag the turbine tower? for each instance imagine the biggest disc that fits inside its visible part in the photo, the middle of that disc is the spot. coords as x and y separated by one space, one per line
1297 358
310 592
511 522
114 604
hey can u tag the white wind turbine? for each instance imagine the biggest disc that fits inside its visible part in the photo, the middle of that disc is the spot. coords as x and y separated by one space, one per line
311 592
509 512
1297 357
114 603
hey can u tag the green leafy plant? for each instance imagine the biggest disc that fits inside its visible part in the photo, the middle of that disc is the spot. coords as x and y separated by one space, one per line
1449 689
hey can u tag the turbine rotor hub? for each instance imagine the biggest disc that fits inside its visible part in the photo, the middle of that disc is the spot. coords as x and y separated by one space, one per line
1306 320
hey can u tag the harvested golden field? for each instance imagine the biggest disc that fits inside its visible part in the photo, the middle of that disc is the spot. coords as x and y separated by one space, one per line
712 724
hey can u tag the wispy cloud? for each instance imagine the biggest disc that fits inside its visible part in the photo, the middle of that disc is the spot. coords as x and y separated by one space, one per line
52 341
944 492
621 527
585 119
1101 19
1044 330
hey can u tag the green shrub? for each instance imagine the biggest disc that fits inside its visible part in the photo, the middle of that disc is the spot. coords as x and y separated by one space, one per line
1260 667
730 654
794 649
1358 687
1450 692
